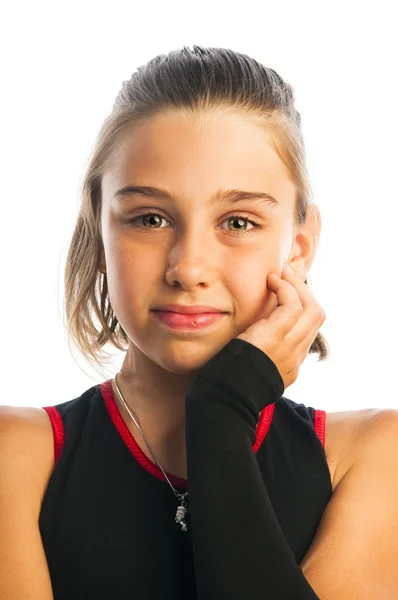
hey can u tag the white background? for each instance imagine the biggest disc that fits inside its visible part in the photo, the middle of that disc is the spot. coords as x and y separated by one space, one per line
62 67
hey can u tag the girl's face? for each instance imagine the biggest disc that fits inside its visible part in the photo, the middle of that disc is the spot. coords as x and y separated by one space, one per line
194 250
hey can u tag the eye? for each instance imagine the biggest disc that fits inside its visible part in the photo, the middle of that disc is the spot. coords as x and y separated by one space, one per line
157 217
241 219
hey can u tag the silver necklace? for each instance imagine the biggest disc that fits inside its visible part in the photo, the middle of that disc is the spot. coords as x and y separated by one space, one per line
182 513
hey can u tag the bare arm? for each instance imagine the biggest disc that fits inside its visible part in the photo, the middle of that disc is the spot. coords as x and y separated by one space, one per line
26 461
240 550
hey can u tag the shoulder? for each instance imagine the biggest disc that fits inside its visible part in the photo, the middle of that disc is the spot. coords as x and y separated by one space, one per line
351 434
26 420
26 449
354 552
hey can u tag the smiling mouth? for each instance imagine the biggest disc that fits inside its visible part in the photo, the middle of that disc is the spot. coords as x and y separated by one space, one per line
193 322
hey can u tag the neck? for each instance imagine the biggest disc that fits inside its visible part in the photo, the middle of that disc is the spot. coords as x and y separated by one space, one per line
162 424
157 413
155 395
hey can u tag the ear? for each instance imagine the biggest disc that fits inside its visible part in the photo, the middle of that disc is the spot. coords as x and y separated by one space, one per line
305 243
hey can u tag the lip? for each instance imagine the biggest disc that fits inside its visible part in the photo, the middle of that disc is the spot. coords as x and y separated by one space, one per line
185 309
189 322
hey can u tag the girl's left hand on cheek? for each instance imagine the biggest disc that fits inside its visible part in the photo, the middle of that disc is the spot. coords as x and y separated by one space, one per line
286 335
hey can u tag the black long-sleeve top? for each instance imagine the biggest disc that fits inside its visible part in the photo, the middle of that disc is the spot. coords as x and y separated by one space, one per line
239 547
257 489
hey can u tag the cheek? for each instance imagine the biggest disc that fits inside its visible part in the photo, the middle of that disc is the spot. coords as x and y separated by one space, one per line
130 280
248 285
132 265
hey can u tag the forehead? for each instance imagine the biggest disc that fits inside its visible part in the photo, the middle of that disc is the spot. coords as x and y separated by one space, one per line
192 158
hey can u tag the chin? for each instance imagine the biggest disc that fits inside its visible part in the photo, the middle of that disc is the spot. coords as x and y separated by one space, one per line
188 361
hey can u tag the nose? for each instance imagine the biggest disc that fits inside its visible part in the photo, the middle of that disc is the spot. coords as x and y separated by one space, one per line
191 262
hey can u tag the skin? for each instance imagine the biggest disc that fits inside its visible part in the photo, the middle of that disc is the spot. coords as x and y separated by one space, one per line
194 254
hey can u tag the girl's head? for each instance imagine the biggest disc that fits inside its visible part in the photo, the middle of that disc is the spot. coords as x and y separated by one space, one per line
193 124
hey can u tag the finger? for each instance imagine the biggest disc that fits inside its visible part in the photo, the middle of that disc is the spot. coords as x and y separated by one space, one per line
310 304
289 308
304 332
313 316
307 298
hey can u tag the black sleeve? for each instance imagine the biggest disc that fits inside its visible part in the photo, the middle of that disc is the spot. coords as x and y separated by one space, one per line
239 548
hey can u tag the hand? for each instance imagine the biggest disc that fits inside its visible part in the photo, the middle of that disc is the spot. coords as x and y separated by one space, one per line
286 335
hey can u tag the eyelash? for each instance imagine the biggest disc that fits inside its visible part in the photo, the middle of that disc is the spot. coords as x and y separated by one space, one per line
133 222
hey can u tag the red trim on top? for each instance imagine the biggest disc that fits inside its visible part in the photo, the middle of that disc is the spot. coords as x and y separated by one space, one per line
58 430
113 409
107 393
319 424
263 425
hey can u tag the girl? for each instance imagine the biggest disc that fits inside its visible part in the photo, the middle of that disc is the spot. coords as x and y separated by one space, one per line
190 474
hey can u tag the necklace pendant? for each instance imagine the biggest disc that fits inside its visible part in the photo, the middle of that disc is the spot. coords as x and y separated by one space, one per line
182 513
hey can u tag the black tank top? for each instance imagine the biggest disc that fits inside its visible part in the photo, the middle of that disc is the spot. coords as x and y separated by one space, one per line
107 517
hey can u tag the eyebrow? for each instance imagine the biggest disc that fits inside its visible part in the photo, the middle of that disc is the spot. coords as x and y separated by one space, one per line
230 196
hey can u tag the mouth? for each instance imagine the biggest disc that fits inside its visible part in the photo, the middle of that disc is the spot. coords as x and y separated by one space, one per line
189 322
189 309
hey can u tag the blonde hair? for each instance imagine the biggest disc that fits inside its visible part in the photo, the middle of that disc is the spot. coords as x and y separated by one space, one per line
194 81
